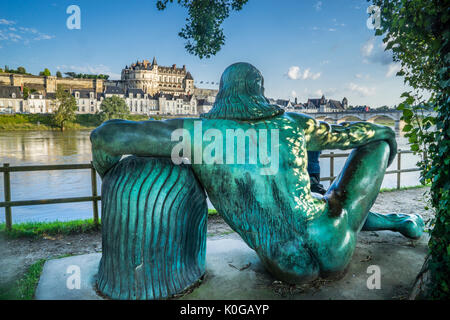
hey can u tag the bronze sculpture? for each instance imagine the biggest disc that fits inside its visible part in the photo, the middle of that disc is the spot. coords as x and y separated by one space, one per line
263 193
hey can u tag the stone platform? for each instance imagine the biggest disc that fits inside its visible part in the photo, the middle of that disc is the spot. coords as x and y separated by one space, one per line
233 271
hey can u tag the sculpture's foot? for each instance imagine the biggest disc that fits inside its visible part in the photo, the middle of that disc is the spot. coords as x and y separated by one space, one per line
409 225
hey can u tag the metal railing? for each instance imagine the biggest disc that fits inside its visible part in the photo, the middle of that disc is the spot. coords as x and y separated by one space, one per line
8 204
399 170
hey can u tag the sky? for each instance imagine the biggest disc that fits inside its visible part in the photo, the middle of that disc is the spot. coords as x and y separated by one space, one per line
303 48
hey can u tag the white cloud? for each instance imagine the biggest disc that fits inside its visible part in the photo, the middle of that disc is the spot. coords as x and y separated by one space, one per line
7 22
361 90
43 36
318 5
293 93
367 48
362 76
375 53
294 73
331 29
393 68
20 34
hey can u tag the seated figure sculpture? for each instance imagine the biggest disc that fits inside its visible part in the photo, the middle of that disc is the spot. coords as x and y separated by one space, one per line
265 196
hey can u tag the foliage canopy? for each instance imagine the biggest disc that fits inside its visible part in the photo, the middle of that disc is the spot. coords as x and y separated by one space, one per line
113 107
66 105
203 30
417 33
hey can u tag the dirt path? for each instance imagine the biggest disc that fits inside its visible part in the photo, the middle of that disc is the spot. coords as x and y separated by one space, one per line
18 254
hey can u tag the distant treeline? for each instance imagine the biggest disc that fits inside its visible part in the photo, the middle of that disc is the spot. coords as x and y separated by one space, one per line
86 76
46 72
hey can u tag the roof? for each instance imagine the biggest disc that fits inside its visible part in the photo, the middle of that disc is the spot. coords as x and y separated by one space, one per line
136 91
113 90
315 102
283 103
12 92
189 76
335 104
84 93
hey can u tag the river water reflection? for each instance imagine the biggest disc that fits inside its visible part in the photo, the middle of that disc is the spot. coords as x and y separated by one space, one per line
54 147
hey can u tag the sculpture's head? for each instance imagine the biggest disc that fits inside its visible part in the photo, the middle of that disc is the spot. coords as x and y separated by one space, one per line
241 95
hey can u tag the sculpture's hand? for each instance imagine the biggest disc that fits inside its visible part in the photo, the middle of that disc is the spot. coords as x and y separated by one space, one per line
101 159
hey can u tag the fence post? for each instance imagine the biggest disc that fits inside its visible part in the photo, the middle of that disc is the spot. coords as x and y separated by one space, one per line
94 193
399 167
331 167
7 189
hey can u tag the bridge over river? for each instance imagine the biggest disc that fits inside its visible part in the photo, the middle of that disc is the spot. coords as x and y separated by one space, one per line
350 115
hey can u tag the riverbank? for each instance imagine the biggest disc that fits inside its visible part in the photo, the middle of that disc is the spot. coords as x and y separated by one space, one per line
20 122
22 257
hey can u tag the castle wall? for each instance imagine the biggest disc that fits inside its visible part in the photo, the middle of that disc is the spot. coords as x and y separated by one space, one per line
51 83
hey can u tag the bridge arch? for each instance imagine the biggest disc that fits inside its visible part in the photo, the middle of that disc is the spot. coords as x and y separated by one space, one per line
377 116
352 117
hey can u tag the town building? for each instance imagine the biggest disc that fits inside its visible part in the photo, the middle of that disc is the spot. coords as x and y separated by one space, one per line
87 101
11 99
324 105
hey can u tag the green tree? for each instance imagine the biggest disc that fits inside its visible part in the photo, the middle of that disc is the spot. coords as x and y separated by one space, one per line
113 107
66 105
58 74
21 70
203 30
26 92
417 33
46 73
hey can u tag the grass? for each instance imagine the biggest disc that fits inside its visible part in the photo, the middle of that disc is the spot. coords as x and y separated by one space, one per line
404 188
13 122
41 229
25 287
55 228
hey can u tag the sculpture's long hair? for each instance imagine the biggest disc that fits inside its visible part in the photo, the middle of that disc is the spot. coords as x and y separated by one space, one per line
241 96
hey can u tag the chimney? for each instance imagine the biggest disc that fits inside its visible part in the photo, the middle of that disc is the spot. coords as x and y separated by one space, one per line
295 100
174 66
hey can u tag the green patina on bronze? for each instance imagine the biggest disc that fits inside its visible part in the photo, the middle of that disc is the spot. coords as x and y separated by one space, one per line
298 235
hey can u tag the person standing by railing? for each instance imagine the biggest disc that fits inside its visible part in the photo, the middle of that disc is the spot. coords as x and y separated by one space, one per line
314 172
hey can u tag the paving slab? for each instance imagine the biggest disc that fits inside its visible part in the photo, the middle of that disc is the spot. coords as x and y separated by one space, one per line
233 271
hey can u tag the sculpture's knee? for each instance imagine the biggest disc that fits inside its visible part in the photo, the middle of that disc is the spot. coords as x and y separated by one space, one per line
154 218
291 262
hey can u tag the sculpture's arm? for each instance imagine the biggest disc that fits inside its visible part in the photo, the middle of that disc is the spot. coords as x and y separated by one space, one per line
348 135
115 138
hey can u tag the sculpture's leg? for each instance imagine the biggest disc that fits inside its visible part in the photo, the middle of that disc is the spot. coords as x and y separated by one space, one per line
356 189
154 217
409 225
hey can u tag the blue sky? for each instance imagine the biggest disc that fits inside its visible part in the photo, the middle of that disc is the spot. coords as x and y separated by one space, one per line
304 48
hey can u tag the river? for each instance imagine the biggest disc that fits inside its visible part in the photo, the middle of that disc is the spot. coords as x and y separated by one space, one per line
54 147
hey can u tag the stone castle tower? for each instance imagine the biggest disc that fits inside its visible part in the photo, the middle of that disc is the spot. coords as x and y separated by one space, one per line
153 79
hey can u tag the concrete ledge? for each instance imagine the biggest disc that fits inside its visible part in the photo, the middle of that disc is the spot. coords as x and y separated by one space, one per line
233 271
